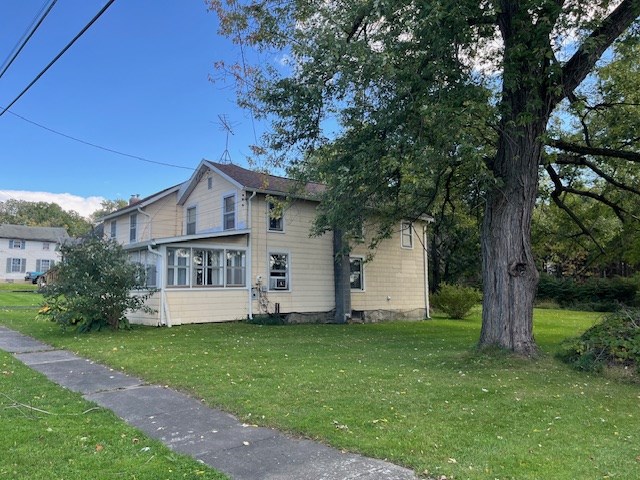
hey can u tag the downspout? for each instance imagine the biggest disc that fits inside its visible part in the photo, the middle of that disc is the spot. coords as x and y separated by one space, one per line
425 262
165 319
250 260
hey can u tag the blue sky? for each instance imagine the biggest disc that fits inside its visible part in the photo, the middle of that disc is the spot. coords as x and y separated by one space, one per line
136 82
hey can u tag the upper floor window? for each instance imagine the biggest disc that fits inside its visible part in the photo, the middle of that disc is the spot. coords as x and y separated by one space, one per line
406 232
21 244
356 277
279 271
276 220
45 245
229 212
191 221
210 183
114 231
133 227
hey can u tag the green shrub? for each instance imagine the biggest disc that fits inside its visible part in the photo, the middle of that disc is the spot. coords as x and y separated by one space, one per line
455 300
595 294
614 341
267 319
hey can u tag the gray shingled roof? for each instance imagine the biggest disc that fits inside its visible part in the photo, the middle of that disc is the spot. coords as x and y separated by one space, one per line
263 181
22 232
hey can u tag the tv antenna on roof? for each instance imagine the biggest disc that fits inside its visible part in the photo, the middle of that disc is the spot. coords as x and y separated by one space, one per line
225 126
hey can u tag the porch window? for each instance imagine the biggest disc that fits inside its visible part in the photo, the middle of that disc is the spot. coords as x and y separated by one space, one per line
208 268
236 268
178 267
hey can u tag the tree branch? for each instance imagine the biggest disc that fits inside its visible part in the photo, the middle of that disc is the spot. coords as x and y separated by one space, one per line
555 196
581 161
585 58
595 151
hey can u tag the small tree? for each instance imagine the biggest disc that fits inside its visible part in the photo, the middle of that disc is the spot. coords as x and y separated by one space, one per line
95 287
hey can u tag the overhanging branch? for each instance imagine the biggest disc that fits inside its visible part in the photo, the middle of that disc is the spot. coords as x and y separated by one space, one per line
595 151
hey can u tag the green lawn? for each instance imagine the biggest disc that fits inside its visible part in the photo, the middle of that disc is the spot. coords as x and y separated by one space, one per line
416 394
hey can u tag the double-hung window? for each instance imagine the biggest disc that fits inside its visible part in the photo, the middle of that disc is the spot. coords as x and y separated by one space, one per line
45 245
19 244
208 268
191 221
114 228
406 232
279 271
16 265
178 267
133 227
44 265
356 276
229 212
276 219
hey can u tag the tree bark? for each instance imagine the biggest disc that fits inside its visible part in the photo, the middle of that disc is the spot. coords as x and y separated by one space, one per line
509 273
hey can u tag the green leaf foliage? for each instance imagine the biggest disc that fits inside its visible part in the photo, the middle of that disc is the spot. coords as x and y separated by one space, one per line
456 300
95 287
613 342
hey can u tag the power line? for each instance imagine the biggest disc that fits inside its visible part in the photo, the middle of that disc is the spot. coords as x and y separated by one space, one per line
94 145
57 57
27 36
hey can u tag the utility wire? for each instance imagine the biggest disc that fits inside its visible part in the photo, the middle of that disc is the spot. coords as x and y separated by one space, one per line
106 149
57 57
27 36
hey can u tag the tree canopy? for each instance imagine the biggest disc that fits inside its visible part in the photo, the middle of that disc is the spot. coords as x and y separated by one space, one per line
43 214
382 100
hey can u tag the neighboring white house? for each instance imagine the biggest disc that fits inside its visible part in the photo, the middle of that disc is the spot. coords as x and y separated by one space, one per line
221 247
28 249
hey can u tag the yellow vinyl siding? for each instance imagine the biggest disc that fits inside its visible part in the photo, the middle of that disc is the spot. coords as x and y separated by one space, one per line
206 305
310 258
209 204
394 279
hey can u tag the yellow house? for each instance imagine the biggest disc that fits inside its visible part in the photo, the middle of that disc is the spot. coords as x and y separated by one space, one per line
221 247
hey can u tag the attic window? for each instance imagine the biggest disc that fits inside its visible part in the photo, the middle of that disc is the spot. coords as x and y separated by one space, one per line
210 183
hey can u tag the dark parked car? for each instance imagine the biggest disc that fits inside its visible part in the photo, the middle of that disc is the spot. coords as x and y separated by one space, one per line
33 277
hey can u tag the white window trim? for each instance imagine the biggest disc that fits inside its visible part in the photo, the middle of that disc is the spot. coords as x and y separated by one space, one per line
195 220
269 229
362 275
402 235
113 229
288 271
190 268
133 238
235 211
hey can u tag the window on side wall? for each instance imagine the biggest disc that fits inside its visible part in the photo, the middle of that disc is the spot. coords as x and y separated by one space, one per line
229 212
178 267
276 217
406 233
278 271
356 274
133 227
114 231
191 221
236 268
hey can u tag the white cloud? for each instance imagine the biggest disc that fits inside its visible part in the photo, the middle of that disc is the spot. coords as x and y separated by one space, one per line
85 206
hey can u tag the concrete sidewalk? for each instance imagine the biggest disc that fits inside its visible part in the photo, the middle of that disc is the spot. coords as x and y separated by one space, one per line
187 426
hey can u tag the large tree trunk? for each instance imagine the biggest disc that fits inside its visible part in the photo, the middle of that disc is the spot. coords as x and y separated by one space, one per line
508 269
